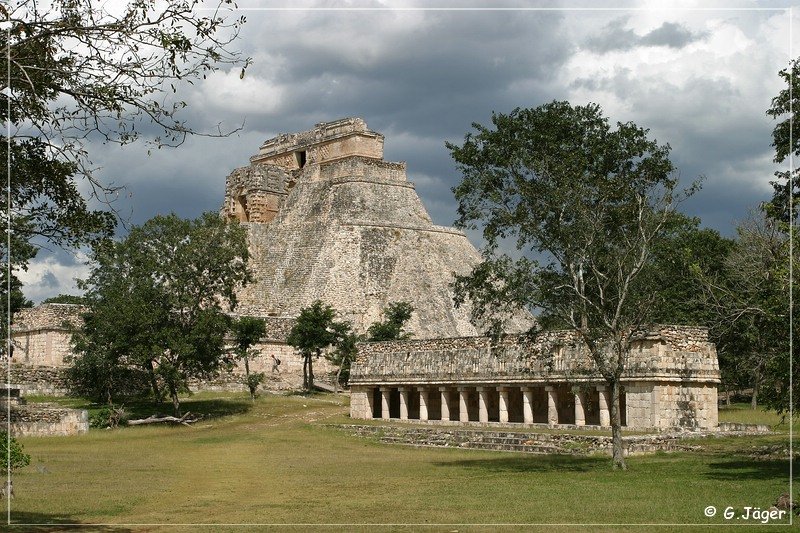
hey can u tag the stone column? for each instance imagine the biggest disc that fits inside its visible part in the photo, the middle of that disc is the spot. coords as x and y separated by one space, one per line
580 413
463 410
403 403
605 414
369 392
503 404
527 405
423 403
445 402
483 404
385 391
552 409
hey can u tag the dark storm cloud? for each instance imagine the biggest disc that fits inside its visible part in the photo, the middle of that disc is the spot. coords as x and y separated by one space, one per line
49 280
670 34
616 36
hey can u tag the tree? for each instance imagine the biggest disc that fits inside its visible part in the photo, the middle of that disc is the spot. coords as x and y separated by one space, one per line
247 331
748 304
783 211
79 72
157 300
783 206
586 205
396 315
314 331
680 258
65 299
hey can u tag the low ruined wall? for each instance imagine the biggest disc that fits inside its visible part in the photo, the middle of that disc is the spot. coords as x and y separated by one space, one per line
39 380
526 442
41 420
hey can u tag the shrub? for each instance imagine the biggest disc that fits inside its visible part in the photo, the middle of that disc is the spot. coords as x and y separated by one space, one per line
11 454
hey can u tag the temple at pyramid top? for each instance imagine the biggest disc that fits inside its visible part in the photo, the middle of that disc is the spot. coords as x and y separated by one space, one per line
327 141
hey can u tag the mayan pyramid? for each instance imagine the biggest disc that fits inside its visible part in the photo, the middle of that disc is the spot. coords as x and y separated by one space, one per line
329 219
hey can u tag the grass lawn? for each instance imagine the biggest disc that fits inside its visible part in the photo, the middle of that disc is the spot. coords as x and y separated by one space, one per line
273 461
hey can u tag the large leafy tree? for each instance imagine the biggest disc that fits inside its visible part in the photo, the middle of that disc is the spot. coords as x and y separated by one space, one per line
315 330
755 299
79 72
158 300
586 204
747 301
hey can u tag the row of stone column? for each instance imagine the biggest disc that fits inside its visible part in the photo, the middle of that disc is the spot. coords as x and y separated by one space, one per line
483 402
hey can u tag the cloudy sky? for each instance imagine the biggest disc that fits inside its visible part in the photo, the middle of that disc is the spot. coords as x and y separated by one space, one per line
700 76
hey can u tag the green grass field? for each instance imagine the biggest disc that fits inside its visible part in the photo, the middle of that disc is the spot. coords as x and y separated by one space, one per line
274 461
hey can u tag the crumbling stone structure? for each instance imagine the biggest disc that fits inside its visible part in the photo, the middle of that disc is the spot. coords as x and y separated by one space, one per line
41 335
329 219
670 381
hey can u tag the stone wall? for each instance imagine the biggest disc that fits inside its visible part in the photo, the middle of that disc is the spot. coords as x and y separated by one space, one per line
525 442
44 420
255 193
660 354
42 380
41 335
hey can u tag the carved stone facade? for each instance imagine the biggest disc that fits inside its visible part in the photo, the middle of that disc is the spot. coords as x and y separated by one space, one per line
671 381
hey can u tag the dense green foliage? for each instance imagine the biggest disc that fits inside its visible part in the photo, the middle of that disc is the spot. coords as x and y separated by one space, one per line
157 302
785 106
65 299
396 315
680 258
247 331
12 455
750 299
315 330
748 303
587 205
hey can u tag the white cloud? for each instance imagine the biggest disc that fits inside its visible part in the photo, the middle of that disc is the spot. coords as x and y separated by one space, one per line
46 277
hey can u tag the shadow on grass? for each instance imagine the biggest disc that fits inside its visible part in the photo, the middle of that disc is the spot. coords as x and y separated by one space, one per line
533 463
39 522
743 469
207 408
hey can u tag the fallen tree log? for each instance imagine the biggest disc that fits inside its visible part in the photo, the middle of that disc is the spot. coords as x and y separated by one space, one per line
156 419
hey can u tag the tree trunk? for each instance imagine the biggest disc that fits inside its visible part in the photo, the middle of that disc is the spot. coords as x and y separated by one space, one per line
247 378
173 392
338 376
305 371
154 382
727 397
616 427
311 372
754 398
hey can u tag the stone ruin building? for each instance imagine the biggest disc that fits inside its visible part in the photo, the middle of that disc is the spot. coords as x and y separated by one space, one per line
327 218
670 382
